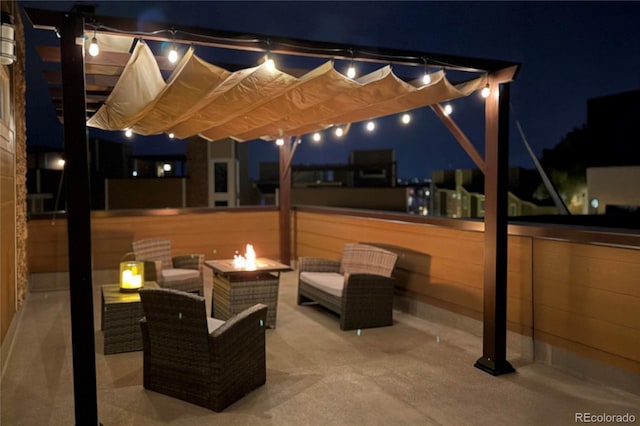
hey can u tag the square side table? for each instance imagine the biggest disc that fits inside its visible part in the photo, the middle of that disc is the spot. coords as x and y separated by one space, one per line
121 314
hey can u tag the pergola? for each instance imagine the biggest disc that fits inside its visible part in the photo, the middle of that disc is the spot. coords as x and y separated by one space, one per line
85 89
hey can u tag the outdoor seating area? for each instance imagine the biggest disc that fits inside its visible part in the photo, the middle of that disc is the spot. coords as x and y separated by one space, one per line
359 287
418 372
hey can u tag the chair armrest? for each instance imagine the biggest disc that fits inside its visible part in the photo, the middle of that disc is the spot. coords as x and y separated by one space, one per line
153 270
317 264
367 301
189 261
356 285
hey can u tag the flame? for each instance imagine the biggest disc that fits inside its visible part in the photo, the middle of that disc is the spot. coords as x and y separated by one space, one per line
248 261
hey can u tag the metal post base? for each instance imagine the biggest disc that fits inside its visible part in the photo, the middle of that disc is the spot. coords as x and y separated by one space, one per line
493 367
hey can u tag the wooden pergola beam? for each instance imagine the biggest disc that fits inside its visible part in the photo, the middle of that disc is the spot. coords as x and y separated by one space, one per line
457 133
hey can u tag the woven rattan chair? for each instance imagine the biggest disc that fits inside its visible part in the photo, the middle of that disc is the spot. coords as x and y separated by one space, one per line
359 287
177 272
201 360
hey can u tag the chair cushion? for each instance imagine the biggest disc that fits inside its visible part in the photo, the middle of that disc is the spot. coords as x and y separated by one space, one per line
329 282
213 323
175 274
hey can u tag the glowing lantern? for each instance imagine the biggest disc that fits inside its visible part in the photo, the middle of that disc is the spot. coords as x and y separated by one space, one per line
131 276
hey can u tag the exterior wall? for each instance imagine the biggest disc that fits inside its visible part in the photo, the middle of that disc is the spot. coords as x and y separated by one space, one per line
215 233
146 193
198 172
393 199
614 186
13 232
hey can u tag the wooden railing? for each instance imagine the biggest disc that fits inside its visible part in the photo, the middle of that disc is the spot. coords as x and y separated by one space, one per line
577 289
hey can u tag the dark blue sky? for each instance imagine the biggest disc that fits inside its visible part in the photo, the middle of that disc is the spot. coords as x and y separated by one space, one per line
569 51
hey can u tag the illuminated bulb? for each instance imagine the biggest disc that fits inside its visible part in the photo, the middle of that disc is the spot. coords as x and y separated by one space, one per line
339 132
351 72
406 119
448 109
486 91
316 137
371 126
128 133
426 79
279 141
270 64
166 167
171 135
94 49
173 55
61 162
134 173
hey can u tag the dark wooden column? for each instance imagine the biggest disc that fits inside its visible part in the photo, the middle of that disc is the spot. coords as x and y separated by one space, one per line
284 200
494 341
78 220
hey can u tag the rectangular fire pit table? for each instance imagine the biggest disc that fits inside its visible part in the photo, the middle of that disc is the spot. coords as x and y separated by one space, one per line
235 289
121 314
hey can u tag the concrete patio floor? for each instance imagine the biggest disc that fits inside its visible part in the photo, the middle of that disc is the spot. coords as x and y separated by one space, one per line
416 372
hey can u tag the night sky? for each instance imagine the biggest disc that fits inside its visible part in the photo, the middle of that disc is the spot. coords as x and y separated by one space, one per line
569 51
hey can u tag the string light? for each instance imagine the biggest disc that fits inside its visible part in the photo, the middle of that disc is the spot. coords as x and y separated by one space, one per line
426 79
279 141
173 53
316 137
371 126
406 118
339 132
94 49
351 72
268 60
128 133
486 91
448 109
171 136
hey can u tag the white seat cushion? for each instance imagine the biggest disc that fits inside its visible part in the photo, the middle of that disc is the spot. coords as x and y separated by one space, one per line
176 274
213 323
329 282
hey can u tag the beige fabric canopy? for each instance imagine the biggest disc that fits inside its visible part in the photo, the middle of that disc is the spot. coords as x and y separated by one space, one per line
206 100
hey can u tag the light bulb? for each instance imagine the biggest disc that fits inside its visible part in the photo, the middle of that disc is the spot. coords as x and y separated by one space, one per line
134 173
371 126
316 137
351 72
279 141
94 49
486 91
171 136
270 63
173 55
339 132
406 119
128 133
61 162
448 109
426 79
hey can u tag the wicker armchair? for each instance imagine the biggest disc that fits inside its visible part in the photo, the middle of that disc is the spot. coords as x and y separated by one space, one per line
177 272
359 287
201 360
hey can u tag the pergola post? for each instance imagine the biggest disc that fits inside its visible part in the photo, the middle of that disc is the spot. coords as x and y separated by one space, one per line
287 150
494 339
78 220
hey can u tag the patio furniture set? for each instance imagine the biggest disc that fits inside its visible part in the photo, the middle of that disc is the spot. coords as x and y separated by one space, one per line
214 361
